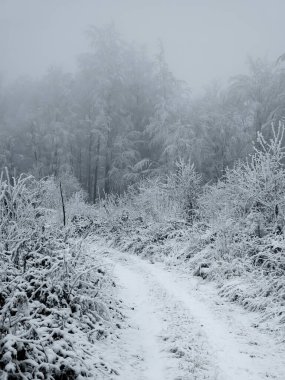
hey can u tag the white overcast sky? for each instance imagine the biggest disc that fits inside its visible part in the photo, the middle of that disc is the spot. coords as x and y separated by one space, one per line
204 40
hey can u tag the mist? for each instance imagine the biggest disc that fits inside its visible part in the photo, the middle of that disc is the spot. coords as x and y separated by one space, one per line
204 41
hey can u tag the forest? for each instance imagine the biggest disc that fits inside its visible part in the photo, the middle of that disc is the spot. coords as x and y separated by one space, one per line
120 158
123 116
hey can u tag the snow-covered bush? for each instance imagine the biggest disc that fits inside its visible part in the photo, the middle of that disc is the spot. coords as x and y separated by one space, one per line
158 200
152 211
51 290
244 213
81 216
254 187
184 186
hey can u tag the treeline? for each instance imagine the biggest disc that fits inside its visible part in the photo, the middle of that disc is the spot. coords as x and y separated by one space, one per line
123 116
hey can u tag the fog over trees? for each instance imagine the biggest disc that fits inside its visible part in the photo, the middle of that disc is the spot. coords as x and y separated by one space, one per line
123 116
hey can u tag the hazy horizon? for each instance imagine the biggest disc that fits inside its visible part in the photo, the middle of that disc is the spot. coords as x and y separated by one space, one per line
204 41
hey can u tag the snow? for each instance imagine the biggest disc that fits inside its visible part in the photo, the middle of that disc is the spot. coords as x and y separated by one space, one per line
146 324
179 328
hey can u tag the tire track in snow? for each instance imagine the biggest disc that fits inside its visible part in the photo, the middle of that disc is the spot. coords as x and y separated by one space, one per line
167 309
147 326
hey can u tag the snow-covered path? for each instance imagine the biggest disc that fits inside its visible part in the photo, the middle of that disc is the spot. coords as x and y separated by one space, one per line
180 329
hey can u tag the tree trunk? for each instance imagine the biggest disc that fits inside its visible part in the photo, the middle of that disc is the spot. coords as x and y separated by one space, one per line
89 183
63 205
80 165
107 164
96 171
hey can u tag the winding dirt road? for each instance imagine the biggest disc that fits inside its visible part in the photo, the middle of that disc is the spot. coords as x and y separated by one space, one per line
180 329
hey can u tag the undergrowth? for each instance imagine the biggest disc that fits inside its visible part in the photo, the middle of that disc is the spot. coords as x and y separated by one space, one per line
55 298
230 232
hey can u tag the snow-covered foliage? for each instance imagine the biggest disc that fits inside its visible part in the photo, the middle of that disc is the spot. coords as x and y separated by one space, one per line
53 296
245 214
152 212
236 234
185 186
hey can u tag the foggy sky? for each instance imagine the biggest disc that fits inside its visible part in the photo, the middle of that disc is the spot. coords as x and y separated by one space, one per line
204 40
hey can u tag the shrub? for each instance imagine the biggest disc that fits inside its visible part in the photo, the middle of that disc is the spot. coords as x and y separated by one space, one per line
51 300
255 187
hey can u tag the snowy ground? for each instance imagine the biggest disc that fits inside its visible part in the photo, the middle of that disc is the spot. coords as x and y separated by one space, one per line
180 329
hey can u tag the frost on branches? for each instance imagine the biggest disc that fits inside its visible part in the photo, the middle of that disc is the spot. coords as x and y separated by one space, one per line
52 307
231 231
